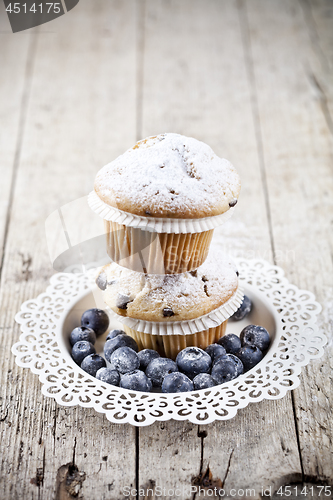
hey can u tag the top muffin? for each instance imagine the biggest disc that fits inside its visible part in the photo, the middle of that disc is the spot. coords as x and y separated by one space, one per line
169 175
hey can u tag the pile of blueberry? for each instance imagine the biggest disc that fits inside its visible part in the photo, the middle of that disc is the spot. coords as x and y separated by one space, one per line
194 368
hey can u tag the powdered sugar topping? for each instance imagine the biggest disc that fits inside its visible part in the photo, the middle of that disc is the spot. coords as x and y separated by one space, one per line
169 175
189 295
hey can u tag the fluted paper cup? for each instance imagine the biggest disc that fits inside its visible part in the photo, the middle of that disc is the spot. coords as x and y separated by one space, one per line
156 245
170 345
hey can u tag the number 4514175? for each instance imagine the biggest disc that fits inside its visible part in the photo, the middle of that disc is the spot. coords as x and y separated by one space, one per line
17 7
305 491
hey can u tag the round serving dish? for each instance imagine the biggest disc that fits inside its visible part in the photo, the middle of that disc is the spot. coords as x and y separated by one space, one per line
288 313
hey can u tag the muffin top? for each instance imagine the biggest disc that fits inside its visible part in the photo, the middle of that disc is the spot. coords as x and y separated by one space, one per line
173 297
169 175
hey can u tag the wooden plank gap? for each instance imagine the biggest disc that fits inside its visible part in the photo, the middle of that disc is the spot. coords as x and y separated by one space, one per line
228 467
246 39
297 435
313 33
201 435
137 463
205 477
248 60
319 90
140 46
74 450
140 26
20 134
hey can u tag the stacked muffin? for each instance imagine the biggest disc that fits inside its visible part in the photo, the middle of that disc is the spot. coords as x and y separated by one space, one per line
160 202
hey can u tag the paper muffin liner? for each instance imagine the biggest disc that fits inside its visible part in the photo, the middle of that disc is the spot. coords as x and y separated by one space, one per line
170 345
156 253
185 327
156 224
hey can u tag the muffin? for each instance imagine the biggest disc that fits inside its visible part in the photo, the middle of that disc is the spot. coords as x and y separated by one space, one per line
161 201
168 313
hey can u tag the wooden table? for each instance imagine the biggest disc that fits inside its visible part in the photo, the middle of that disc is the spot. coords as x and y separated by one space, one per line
252 79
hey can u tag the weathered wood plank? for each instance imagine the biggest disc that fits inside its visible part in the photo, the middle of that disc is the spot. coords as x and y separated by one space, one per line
191 84
15 87
318 16
81 114
196 83
298 161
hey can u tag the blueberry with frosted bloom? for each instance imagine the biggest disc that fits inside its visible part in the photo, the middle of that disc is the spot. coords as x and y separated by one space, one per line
146 356
96 319
125 360
92 363
82 349
243 310
81 333
192 361
119 341
108 376
250 355
224 370
203 381
215 351
230 342
177 382
136 381
158 368
255 335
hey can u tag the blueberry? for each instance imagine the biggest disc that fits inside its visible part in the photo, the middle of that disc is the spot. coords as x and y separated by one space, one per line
82 349
255 335
119 341
192 361
114 333
101 281
168 312
122 300
243 310
108 376
230 342
177 382
136 381
92 363
111 366
125 360
203 381
224 369
250 356
215 350
233 202
158 368
82 333
97 319
238 363
146 356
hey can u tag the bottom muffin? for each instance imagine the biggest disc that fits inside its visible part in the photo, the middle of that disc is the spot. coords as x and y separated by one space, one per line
171 312
169 346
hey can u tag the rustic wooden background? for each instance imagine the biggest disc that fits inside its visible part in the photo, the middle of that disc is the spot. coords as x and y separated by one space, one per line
252 79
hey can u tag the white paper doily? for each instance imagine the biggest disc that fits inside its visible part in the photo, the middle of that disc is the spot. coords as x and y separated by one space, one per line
290 315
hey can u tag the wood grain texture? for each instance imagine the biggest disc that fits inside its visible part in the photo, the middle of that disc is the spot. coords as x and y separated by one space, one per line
192 85
297 144
79 115
253 80
15 84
